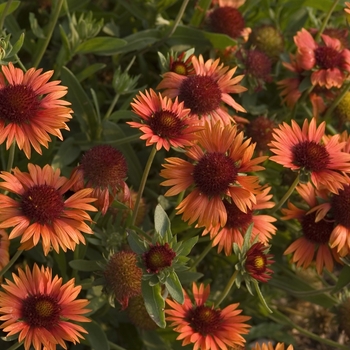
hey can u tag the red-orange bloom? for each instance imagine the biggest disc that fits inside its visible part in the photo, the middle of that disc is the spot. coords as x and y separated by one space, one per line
103 168
221 159
330 61
310 151
206 327
40 209
347 10
40 308
164 123
316 233
269 346
204 92
238 223
31 108
4 249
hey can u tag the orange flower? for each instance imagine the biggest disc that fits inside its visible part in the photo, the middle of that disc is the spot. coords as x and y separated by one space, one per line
40 209
103 168
347 10
204 92
269 346
31 108
329 61
238 223
310 151
40 308
205 326
316 233
165 123
4 249
221 159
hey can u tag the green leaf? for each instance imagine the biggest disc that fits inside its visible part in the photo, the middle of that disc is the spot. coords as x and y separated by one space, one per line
104 46
84 265
66 154
161 221
323 5
96 336
343 279
174 287
135 243
17 46
13 6
89 71
34 25
81 103
154 302
187 246
187 277
188 36
219 41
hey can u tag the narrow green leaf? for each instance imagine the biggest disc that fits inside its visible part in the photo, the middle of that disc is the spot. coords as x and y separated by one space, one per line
96 336
135 243
154 302
343 279
89 71
174 287
219 41
187 246
103 45
17 46
187 277
84 265
200 12
13 7
161 220
66 154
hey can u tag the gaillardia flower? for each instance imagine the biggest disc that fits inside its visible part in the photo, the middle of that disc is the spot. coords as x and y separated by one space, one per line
269 346
4 249
41 211
316 234
220 160
238 222
41 309
31 108
330 62
309 151
123 277
164 123
104 169
204 92
205 326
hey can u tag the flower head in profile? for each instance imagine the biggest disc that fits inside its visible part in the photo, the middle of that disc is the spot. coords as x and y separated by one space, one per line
218 169
182 63
205 91
205 326
164 123
310 152
42 309
313 245
31 108
330 61
104 169
238 222
269 346
40 210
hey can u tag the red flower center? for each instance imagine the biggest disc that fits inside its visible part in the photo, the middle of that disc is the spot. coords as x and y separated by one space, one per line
316 232
214 173
311 156
327 57
40 311
235 217
341 207
204 320
179 67
261 130
166 124
42 204
227 20
104 166
158 257
258 64
256 262
200 93
18 104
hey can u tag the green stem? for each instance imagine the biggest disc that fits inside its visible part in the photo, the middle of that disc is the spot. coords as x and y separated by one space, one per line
143 184
19 62
11 156
311 335
286 195
324 24
202 255
227 289
11 262
177 20
115 346
336 101
4 14
180 197
52 24
16 346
